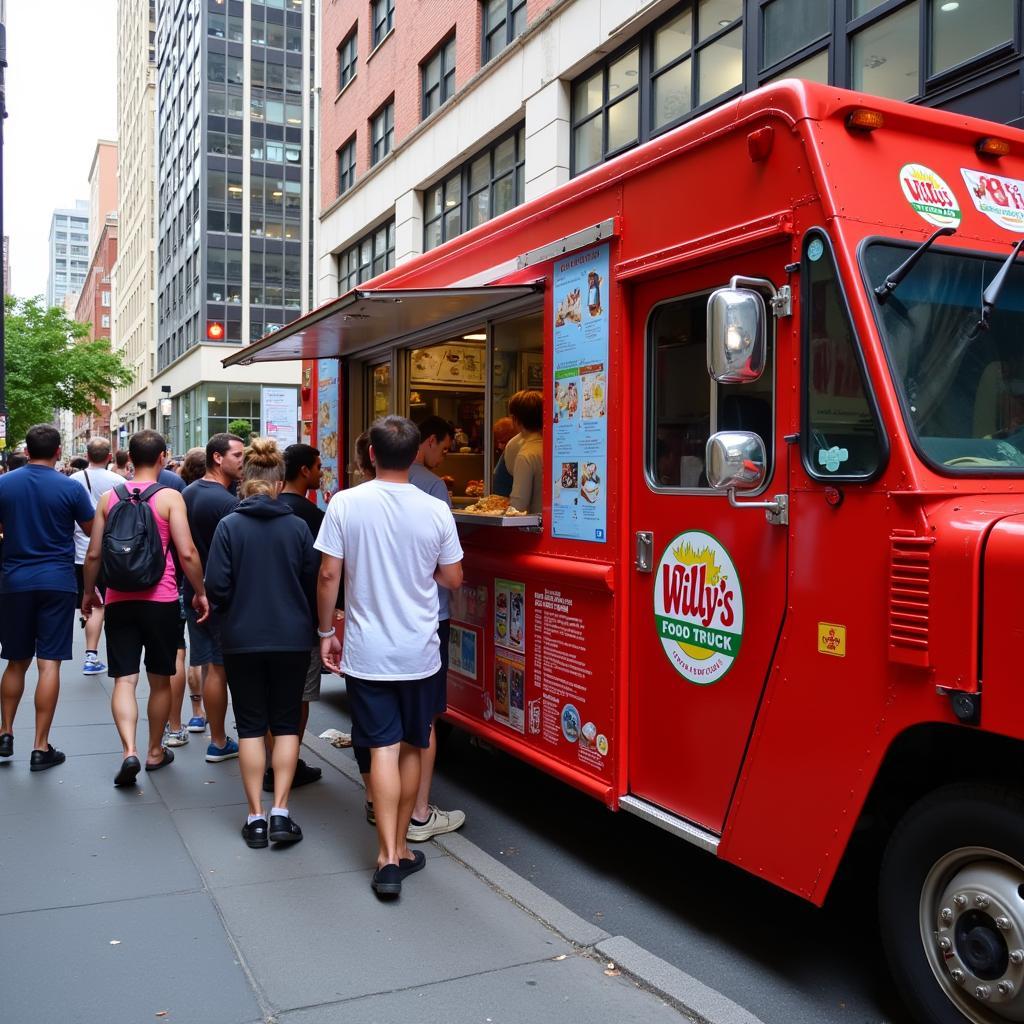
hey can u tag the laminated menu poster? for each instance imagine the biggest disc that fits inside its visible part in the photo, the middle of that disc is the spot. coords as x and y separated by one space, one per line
579 421
327 429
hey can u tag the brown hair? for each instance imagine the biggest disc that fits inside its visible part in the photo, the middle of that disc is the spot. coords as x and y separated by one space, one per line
363 463
528 408
194 465
262 469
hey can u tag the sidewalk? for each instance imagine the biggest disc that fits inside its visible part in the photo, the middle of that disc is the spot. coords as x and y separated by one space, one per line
145 904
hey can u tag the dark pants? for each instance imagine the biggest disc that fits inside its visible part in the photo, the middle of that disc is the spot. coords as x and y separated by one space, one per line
266 691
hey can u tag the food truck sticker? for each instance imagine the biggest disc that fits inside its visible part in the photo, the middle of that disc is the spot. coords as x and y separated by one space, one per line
462 648
327 428
510 691
931 198
698 607
510 615
1000 199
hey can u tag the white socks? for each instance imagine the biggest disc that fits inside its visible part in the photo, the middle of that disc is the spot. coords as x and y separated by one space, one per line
255 817
282 811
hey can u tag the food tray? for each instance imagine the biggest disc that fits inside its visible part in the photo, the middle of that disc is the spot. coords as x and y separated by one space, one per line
473 519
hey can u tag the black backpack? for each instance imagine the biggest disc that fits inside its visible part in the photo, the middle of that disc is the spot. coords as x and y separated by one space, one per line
133 556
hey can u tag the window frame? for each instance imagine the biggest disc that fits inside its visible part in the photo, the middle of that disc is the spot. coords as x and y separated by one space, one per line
386 142
463 174
381 28
817 231
650 448
512 8
445 89
348 148
356 247
348 62
647 74
809 49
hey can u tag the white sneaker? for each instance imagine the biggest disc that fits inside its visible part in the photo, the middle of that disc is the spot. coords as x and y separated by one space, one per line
175 739
437 824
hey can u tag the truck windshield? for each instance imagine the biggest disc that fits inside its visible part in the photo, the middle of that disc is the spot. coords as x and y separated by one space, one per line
962 386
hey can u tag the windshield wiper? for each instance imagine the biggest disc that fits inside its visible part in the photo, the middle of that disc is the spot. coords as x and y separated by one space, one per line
891 283
991 293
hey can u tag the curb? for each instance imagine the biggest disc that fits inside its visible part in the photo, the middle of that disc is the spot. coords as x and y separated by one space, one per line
698 1001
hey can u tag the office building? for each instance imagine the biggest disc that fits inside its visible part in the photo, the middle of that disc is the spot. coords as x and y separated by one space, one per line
133 290
437 117
235 158
69 252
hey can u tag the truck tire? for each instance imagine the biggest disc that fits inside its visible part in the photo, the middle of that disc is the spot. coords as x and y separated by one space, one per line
951 906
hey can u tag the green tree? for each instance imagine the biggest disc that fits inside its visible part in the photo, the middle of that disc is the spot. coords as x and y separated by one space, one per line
243 428
51 365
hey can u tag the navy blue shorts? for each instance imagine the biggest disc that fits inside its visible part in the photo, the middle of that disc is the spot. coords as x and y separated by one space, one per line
37 623
203 638
385 712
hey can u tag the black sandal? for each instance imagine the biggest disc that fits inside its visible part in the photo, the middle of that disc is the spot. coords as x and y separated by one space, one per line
167 759
130 767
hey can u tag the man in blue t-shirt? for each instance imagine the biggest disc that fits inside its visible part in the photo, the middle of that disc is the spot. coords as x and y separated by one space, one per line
38 511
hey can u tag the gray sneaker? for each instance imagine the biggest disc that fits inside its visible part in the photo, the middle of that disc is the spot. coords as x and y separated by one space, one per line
176 738
437 824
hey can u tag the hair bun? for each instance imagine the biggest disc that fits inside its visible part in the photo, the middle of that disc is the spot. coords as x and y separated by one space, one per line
263 452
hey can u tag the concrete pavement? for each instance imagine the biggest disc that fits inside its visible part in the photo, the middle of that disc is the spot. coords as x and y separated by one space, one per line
146 905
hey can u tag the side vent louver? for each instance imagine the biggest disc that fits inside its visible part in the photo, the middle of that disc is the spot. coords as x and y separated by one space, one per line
909 598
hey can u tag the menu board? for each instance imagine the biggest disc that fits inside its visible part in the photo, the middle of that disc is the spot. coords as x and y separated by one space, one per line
327 429
579 428
281 415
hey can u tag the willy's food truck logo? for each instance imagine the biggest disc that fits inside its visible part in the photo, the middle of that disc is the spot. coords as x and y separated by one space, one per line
698 607
931 198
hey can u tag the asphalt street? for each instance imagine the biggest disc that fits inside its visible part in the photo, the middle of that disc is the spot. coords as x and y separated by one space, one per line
782 959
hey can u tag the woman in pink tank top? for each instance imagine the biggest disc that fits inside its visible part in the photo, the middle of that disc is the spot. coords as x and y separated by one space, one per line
167 589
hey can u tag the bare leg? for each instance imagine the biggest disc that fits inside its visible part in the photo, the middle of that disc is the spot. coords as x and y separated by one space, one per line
252 760
195 690
156 711
12 686
409 769
93 629
47 692
286 753
421 809
125 709
215 697
387 790
177 692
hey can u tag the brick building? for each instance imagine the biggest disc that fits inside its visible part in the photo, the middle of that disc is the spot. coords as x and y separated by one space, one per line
94 307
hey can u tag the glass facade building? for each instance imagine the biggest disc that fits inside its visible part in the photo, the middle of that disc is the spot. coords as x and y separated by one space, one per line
235 157
68 253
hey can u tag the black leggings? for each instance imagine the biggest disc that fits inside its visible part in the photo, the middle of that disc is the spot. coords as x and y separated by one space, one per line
266 691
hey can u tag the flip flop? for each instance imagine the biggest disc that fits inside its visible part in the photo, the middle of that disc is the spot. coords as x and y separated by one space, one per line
410 865
167 759
130 767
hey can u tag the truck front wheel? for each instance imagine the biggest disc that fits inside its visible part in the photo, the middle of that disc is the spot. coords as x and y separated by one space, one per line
951 898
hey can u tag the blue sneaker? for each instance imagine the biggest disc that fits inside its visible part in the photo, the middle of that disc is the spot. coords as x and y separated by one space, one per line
225 753
197 724
93 666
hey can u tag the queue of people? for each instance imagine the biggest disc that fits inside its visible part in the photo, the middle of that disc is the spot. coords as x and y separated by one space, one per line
258 576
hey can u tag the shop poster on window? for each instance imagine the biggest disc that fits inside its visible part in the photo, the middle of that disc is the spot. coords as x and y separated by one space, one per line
327 429
579 427
510 615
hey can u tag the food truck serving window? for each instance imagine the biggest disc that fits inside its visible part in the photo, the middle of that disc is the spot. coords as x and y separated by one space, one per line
841 438
684 407
961 382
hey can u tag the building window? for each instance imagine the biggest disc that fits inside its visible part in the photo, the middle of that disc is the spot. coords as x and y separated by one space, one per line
383 19
960 32
347 166
105 321
382 128
348 54
504 20
370 256
439 77
104 298
789 27
884 55
490 183
675 68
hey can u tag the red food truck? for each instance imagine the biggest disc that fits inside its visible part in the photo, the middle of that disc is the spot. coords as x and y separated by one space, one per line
773 590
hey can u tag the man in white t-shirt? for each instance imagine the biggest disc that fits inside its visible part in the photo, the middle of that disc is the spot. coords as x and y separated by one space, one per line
97 480
394 544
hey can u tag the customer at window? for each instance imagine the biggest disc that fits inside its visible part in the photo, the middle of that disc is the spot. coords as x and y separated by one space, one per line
527 411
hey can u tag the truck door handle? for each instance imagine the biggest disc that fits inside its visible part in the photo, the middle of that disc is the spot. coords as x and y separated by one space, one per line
644 551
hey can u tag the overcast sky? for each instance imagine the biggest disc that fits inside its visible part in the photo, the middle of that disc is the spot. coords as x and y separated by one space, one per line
61 98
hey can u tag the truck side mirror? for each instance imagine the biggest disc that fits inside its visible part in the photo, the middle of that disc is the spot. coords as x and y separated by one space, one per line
736 461
737 343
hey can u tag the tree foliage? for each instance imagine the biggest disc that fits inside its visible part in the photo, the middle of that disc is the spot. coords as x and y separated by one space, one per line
243 428
52 364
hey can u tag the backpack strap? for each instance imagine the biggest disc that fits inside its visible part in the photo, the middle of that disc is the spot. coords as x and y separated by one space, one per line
122 492
150 491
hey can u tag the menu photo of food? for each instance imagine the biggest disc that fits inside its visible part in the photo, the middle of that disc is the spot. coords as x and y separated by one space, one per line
594 282
570 309
594 385
570 476
510 691
510 615
590 482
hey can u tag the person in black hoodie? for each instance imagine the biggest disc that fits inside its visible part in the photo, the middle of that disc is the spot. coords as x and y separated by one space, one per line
261 575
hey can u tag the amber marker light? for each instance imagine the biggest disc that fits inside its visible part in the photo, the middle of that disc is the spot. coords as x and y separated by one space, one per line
992 147
864 120
215 331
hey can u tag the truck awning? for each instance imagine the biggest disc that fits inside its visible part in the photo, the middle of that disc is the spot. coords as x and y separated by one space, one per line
367 319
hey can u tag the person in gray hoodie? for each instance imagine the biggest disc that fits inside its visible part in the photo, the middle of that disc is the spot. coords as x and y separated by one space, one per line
261 575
